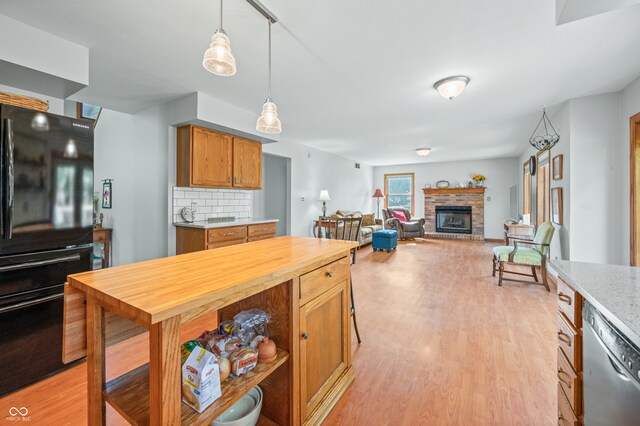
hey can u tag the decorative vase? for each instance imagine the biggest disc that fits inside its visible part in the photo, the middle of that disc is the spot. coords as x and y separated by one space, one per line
479 184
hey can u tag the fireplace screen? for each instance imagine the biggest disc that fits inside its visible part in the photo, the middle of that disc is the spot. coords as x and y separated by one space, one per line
453 219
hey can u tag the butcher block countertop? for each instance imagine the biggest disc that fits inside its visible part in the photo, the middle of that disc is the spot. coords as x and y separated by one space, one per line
152 291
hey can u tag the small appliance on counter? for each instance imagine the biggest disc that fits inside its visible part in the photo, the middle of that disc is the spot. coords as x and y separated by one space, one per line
46 232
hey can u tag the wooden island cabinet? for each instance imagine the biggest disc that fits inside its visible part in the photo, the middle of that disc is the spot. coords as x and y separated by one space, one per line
210 159
303 283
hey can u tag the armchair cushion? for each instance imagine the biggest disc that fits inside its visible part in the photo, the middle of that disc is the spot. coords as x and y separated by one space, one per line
524 255
399 215
413 226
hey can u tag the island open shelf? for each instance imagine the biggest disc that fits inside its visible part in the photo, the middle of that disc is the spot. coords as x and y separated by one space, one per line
300 282
127 393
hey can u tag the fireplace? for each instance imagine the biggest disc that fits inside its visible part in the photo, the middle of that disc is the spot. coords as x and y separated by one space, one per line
453 219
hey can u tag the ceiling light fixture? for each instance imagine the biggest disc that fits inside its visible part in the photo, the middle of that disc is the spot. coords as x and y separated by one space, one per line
547 140
268 122
451 87
423 152
218 58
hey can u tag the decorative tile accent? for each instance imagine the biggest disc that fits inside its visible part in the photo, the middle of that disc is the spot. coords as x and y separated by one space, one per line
213 203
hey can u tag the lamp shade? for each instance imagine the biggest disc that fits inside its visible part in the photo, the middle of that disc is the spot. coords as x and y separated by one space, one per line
378 194
218 58
324 195
268 122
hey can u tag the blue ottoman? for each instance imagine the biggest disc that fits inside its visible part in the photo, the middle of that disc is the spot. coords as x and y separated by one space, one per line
385 240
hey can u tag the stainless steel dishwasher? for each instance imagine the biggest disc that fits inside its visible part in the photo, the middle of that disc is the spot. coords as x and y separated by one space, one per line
611 373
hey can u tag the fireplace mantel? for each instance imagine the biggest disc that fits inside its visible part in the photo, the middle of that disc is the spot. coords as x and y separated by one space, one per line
453 190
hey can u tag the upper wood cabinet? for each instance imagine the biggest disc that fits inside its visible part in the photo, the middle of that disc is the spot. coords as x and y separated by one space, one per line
210 159
247 164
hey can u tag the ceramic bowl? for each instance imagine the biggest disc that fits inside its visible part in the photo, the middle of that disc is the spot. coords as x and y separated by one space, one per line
245 412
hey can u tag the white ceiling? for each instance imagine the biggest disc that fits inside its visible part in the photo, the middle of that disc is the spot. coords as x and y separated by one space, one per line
355 77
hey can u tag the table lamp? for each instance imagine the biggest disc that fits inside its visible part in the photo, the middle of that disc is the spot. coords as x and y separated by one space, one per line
378 194
324 197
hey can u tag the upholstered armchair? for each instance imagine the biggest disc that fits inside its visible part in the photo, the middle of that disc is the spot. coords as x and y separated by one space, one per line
533 254
411 228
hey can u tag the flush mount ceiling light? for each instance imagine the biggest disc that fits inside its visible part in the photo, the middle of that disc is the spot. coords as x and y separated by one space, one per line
423 152
547 140
451 87
218 58
268 122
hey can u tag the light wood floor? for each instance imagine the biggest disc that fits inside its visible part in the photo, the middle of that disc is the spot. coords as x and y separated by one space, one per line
442 345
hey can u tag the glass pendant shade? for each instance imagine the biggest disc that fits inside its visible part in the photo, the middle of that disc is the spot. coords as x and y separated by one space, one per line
268 122
218 58
451 87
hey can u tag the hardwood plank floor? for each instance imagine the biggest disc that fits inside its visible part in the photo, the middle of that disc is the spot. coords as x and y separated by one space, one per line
442 345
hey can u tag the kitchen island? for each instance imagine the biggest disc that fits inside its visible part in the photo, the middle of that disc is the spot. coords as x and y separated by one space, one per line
598 328
302 282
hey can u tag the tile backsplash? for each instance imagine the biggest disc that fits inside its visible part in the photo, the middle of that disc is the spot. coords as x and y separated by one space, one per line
213 203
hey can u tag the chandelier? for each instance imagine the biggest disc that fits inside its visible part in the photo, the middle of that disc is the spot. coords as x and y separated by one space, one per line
545 141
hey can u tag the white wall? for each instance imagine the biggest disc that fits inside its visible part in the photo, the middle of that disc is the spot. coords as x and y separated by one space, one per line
132 150
630 105
502 174
312 170
595 196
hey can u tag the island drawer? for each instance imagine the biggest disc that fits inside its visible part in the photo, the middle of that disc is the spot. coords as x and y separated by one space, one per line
570 382
566 416
316 282
570 303
216 235
570 342
261 229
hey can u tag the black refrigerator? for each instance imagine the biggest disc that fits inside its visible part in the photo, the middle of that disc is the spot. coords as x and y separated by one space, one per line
46 233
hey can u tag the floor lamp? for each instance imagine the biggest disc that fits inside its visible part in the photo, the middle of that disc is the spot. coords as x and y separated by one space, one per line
378 194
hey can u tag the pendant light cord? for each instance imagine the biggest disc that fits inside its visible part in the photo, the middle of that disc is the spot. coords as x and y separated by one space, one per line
269 20
221 1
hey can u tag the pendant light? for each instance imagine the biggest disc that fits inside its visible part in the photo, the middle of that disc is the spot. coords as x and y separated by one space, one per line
268 122
547 139
218 58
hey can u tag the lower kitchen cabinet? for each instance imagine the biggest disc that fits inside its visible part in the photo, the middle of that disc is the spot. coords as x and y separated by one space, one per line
190 239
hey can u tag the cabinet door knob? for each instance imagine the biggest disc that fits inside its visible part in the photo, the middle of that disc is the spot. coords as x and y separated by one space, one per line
329 274
305 335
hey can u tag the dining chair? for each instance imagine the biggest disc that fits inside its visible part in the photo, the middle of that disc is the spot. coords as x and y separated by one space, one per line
348 229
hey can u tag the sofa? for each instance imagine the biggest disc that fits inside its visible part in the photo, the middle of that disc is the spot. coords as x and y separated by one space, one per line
369 224
412 228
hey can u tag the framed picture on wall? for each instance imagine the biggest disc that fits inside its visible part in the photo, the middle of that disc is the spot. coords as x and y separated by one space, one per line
556 205
106 194
557 167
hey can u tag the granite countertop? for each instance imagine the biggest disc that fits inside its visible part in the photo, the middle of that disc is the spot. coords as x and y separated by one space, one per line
613 289
238 222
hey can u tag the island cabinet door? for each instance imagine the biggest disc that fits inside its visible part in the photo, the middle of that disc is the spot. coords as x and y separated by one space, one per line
324 329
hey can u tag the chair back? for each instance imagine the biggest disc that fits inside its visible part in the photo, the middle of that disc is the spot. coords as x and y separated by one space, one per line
386 212
544 235
340 228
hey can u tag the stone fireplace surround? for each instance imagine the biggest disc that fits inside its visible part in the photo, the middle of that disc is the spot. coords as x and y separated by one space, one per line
473 197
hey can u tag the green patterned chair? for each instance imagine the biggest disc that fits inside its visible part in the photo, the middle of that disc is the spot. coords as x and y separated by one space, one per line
525 253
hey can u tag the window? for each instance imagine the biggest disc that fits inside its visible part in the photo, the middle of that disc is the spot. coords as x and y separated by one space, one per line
398 191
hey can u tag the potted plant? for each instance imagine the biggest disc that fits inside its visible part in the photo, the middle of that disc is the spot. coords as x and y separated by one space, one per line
479 180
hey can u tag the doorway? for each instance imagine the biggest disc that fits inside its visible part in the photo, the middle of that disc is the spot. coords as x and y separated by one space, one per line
274 200
634 133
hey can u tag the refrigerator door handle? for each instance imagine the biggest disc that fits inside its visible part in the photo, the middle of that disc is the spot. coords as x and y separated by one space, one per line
26 265
6 221
31 303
